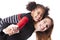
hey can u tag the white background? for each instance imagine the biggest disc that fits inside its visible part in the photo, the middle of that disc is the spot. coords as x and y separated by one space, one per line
11 7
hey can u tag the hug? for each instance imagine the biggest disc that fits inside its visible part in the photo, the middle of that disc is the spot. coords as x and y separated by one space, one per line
38 21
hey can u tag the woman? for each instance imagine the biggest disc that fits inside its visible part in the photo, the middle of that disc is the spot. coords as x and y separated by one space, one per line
44 29
37 13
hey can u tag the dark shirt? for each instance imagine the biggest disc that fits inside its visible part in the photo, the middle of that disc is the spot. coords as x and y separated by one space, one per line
25 32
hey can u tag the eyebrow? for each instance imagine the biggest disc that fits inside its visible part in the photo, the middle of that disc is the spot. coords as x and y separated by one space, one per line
45 21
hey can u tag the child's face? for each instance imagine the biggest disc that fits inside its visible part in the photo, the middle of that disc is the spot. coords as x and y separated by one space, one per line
43 25
38 14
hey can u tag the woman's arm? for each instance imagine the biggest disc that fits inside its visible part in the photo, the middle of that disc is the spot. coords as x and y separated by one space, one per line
7 21
13 29
13 20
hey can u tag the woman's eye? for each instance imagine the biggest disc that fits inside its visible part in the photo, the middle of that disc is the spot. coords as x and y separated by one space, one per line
47 26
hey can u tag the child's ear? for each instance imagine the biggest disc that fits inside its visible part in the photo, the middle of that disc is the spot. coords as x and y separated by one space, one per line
32 11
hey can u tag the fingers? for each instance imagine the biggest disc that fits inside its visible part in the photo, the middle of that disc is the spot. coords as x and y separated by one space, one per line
10 30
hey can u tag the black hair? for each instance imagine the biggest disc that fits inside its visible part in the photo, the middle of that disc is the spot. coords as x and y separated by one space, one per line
46 12
33 5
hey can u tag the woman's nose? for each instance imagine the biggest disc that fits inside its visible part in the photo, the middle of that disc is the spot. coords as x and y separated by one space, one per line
44 26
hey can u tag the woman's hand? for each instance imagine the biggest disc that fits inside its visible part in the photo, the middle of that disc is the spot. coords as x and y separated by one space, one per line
11 29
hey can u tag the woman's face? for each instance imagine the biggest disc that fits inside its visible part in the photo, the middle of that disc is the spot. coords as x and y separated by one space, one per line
37 14
43 25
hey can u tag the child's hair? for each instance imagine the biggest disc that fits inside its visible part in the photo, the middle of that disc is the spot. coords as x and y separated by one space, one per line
46 35
33 5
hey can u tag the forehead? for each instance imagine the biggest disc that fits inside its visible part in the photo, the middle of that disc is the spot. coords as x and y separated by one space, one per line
40 9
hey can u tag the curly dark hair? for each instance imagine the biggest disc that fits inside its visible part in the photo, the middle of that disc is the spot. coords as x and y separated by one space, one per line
33 5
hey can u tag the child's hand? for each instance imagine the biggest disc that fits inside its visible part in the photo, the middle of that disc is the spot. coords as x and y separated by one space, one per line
11 29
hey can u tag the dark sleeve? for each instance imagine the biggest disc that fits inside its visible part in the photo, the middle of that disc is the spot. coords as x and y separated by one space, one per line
14 19
9 20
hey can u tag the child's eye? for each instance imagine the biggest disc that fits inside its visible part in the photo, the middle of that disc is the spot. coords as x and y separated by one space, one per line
41 14
38 12
47 26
